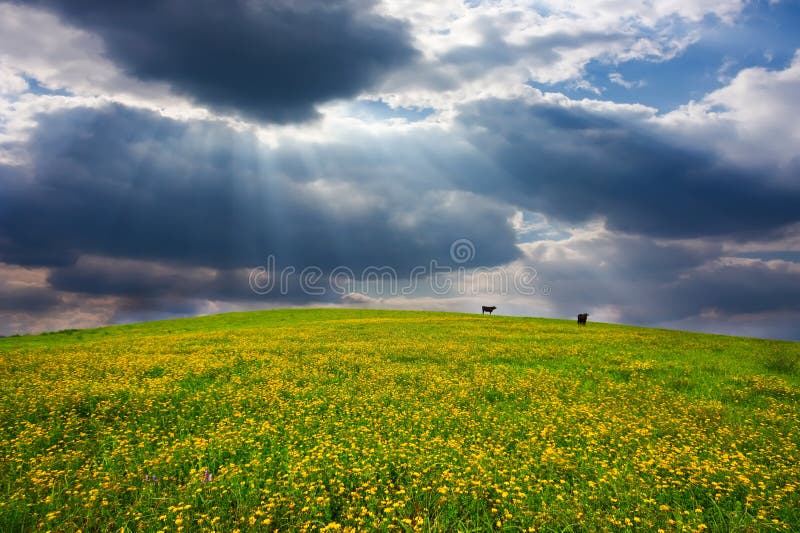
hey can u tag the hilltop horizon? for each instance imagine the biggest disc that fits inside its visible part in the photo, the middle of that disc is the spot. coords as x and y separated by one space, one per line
312 309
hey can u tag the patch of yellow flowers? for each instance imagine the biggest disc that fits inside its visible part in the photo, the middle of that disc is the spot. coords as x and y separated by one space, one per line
405 423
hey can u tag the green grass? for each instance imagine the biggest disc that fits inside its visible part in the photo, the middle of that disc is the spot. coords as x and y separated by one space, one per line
313 419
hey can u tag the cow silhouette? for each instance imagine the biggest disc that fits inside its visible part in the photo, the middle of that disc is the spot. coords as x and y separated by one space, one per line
487 309
582 319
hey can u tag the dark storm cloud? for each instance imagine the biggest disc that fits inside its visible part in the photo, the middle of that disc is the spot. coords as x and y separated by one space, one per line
151 284
270 60
130 278
650 283
632 258
28 299
630 273
739 287
720 291
575 165
130 184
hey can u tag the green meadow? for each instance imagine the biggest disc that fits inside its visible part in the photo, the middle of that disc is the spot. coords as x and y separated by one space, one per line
334 420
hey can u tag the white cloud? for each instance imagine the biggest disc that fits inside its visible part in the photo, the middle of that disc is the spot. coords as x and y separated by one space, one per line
10 81
492 49
751 121
616 77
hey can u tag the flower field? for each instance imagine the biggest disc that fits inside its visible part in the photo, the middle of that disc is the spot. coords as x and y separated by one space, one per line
350 420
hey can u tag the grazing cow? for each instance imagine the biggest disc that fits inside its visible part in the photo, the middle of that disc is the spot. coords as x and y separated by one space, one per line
486 309
582 319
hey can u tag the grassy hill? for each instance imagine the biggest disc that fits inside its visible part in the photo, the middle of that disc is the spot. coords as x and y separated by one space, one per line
329 419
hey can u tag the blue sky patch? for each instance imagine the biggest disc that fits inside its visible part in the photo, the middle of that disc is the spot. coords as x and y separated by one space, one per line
35 87
765 35
380 110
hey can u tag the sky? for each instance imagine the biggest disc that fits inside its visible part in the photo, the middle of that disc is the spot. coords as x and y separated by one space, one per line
638 161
